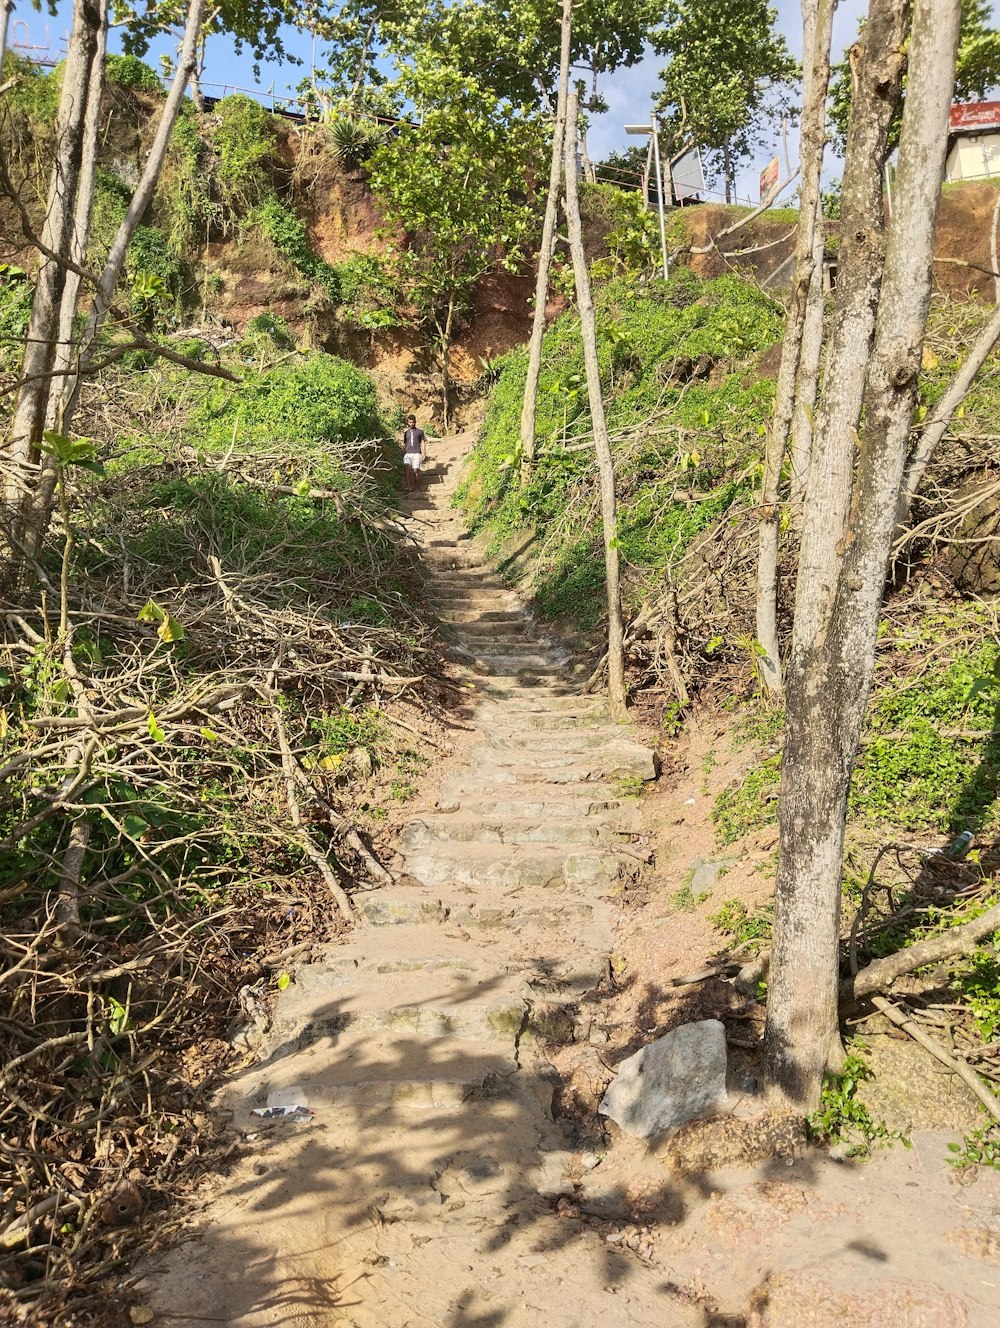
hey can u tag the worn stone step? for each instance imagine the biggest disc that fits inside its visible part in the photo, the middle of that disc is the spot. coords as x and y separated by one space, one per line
417 1073
488 619
609 760
614 813
501 829
576 740
512 786
503 866
436 951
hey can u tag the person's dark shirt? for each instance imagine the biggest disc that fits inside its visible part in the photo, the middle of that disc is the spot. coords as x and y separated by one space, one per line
413 440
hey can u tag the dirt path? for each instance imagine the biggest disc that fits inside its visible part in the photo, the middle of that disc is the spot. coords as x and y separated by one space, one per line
432 1185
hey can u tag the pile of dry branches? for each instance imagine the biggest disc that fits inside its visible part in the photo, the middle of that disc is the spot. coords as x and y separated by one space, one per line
177 824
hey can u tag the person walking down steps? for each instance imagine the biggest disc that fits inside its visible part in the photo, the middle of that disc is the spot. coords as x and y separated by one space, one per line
414 453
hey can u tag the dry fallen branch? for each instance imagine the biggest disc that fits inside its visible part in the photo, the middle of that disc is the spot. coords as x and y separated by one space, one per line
988 1099
954 943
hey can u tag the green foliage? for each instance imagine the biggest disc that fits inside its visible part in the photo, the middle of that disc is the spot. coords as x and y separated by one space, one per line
511 47
631 233
242 137
979 1148
977 983
128 71
269 329
748 929
457 187
315 400
918 769
729 77
651 339
287 232
841 1118
977 69
16 294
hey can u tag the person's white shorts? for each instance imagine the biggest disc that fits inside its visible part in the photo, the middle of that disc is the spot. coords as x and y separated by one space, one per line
413 460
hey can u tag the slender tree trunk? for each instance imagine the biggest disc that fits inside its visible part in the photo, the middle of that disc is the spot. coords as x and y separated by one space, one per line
5 7
602 444
877 63
807 383
197 96
61 387
547 249
817 18
142 197
445 338
841 584
57 231
936 424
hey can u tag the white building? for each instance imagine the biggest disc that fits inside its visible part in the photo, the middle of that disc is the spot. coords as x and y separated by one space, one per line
974 141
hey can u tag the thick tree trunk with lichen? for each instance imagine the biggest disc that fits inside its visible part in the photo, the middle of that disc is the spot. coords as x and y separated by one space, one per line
602 443
849 520
545 254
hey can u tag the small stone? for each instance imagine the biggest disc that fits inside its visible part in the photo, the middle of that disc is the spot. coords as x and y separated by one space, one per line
141 1314
598 1037
589 1161
679 1077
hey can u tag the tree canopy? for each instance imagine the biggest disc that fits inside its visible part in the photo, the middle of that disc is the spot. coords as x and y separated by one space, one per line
976 72
729 76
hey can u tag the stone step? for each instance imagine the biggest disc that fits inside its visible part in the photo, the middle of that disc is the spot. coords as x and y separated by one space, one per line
510 786
436 951
512 866
500 829
576 740
479 1004
527 911
488 619
608 760
413 1072
610 812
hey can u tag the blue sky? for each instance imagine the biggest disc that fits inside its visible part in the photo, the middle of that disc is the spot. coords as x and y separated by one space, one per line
628 93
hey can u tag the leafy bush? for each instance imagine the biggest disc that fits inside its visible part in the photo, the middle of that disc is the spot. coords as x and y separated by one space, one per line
287 232
316 400
693 430
922 767
840 1117
16 294
242 136
128 71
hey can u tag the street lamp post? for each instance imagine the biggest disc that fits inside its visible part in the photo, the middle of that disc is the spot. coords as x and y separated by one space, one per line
653 130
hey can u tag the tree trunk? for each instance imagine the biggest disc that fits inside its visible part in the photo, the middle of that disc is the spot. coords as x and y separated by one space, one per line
5 7
547 249
727 171
444 336
817 18
57 231
602 444
197 96
62 386
143 194
842 577
807 383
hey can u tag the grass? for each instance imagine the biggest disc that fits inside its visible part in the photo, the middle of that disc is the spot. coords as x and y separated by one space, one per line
675 426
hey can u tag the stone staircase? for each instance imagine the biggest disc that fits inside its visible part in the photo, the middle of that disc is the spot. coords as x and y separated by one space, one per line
417 1043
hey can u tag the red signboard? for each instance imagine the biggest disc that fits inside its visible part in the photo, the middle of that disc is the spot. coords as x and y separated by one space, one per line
769 178
977 115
